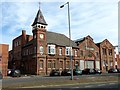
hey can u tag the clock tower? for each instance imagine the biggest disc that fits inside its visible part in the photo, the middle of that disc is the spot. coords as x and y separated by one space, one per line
39 32
39 38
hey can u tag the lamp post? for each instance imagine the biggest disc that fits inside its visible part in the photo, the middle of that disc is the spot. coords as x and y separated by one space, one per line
69 38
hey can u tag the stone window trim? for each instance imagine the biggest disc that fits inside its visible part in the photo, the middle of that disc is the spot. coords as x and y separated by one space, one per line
68 50
60 51
51 49
51 64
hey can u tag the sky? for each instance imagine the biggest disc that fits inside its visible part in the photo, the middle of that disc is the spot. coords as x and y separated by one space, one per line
96 18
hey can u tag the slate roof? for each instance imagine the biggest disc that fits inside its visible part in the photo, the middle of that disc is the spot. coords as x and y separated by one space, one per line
59 39
39 19
80 40
29 43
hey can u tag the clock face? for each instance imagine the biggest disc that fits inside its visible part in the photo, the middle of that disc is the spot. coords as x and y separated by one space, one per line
41 36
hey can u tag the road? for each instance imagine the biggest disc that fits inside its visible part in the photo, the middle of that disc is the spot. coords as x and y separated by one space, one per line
38 81
96 86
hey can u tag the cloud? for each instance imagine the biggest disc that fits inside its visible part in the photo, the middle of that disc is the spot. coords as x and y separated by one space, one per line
112 1
98 19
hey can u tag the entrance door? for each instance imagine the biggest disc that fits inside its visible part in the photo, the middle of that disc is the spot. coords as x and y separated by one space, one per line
98 64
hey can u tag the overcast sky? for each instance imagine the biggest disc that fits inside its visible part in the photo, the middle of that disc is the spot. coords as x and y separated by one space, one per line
96 18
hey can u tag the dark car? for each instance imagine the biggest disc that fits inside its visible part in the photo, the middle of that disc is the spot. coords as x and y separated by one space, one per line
14 73
66 72
113 70
55 72
1 76
88 71
77 72
9 72
118 69
97 71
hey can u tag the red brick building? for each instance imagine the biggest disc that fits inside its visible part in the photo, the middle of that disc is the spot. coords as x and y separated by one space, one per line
4 59
44 50
107 55
117 57
89 53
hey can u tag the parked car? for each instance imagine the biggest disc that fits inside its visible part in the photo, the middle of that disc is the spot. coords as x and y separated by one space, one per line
118 70
55 72
77 72
9 72
88 71
1 76
14 73
66 72
113 70
97 71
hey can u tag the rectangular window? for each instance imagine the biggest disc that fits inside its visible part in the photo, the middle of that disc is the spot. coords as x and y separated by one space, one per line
51 49
61 64
110 52
53 63
111 64
97 54
60 51
49 64
19 42
104 51
41 64
34 49
68 49
75 52
67 64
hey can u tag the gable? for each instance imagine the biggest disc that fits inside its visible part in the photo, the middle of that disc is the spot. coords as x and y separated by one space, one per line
106 43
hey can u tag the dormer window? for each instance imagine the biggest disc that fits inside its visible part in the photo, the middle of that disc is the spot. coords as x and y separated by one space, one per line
51 49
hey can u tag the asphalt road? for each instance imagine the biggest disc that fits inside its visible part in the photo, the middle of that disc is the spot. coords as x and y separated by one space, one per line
97 86
38 80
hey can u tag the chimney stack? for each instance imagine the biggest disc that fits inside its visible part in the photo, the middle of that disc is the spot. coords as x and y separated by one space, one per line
23 37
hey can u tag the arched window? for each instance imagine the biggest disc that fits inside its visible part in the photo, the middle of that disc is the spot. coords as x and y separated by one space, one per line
41 50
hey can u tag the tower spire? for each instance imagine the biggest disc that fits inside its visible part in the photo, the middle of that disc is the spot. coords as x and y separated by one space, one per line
39 19
39 5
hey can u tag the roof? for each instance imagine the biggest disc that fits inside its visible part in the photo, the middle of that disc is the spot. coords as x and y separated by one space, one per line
80 40
39 19
59 39
29 43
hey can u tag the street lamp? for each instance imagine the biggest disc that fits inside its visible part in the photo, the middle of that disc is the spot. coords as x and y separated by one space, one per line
69 38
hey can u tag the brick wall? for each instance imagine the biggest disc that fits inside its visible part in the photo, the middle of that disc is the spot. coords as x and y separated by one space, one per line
4 58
